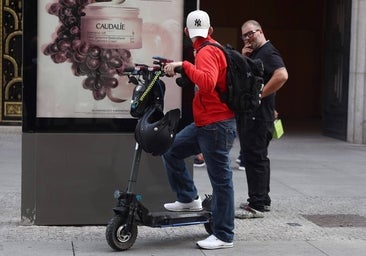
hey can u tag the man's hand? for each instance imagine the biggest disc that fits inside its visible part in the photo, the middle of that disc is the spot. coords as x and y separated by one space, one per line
247 50
170 67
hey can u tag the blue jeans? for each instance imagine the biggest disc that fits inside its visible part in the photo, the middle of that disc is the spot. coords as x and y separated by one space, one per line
214 141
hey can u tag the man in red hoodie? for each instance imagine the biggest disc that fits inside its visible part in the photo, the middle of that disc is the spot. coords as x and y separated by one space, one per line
212 133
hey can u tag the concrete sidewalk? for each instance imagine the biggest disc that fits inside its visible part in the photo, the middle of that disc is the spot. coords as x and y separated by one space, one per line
319 207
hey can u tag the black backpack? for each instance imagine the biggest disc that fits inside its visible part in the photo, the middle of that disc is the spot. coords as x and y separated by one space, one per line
244 80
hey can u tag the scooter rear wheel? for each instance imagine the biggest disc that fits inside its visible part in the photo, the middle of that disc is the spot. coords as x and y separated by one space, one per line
209 227
117 236
206 203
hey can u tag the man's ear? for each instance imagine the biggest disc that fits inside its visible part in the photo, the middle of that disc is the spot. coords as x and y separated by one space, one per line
210 31
186 32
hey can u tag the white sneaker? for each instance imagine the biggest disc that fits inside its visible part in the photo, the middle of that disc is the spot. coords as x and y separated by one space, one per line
212 243
238 160
199 163
194 206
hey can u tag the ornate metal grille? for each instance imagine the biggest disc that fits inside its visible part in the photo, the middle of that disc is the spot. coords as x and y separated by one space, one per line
11 34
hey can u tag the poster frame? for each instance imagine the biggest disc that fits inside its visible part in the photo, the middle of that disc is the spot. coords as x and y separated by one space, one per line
32 123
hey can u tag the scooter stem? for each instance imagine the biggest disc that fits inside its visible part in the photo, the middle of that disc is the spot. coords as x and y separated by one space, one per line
135 168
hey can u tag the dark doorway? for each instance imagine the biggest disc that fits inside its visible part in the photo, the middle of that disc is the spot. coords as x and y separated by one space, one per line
299 29
336 75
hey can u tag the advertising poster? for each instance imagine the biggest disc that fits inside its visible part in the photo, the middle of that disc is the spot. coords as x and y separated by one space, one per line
83 46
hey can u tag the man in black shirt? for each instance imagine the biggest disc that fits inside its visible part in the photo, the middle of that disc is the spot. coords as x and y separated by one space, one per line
256 129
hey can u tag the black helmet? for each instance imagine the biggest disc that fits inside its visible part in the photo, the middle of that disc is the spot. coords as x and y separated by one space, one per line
155 132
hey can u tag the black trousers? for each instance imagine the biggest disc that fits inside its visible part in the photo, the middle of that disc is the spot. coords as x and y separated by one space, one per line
255 136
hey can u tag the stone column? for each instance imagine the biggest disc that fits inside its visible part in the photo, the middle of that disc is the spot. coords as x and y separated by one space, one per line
356 130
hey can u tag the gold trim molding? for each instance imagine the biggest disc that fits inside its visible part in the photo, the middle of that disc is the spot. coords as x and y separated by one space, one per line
13 109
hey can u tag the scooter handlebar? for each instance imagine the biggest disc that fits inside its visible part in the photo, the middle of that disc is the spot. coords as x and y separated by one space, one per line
128 69
178 70
140 69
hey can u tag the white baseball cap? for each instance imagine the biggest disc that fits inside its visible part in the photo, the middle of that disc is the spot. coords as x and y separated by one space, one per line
198 23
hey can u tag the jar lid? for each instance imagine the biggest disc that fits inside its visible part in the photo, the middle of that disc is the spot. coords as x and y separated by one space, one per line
110 9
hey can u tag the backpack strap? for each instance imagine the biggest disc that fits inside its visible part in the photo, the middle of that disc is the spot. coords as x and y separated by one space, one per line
210 43
221 94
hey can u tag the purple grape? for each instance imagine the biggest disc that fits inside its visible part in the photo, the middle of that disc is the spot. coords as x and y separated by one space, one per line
105 70
110 82
59 57
62 31
53 48
82 2
106 54
67 12
75 44
54 9
69 21
83 48
97 85
100 94
64 45
80 11
79 58
94 51
80 69
68 3
74 30
47 51
92 63
89 83
115 63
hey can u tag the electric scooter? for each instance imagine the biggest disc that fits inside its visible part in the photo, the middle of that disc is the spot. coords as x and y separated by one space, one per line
129 213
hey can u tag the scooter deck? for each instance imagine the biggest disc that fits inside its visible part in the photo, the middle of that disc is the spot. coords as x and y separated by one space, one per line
173 219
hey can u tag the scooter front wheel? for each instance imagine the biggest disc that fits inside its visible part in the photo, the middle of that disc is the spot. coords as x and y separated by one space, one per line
117 235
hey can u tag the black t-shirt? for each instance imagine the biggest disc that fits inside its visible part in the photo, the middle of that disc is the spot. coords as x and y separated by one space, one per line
272 60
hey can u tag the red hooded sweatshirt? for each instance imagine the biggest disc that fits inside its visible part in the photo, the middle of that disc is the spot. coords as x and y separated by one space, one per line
208 73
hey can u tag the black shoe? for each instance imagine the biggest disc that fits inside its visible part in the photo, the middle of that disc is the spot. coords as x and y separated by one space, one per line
248 213
267 208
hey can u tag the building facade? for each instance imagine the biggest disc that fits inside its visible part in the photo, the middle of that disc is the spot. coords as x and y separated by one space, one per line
322 42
